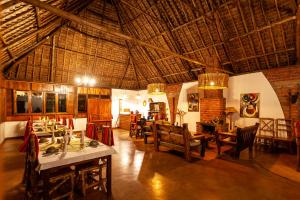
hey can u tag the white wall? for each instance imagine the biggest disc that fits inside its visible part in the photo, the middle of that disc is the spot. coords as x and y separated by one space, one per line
80 124
252 83
14 128
190 117
2 132
128 100
133 103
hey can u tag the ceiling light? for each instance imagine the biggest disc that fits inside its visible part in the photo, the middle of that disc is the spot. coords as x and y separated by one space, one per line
213 81
86 81
156 88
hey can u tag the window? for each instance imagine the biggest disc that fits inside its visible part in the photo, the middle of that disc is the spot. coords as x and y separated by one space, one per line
21 102
82 103
50 102
37 102
62 103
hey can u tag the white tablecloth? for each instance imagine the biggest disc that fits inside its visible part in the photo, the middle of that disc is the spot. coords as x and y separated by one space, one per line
71 157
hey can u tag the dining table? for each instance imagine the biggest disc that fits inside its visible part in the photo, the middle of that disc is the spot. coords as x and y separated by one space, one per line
78 151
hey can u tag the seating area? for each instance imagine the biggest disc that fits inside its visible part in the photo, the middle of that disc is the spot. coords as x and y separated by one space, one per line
275 132
242 139
171 99
178 138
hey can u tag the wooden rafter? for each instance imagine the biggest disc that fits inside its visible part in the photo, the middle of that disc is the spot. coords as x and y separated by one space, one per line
16 59
130 57
175 39
106 30
38 21
126 68
239 38
5 43
258 33
119 11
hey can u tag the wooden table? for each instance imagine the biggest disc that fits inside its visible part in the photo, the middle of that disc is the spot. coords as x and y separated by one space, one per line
298 153
74 156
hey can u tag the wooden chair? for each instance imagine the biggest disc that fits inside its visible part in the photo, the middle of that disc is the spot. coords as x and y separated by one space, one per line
242 139
134 126
90 175
147 131
284 133
58 185
265 132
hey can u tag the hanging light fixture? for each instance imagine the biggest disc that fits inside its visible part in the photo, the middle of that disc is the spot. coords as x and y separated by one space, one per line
213 81
86 81
156 88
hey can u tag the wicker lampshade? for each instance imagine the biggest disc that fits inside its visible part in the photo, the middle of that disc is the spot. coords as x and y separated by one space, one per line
156 88
213 81
230 110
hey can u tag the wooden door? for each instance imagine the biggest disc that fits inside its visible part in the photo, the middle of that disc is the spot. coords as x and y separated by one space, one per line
99 108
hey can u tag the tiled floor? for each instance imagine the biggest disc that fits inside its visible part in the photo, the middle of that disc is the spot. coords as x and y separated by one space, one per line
140 173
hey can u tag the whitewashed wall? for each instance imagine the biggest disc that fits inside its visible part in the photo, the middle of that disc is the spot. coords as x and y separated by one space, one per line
133 103
190 117
2 132
253 83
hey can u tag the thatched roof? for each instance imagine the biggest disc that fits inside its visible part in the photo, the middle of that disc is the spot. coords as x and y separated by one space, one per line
238 36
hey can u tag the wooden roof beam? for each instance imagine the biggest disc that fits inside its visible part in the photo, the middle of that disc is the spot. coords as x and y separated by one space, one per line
119 11
126 68
8 4
128 47
15 60
175 39
95 37
105 30
41 29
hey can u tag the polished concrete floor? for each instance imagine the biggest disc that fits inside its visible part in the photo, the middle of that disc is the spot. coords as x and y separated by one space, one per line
140 173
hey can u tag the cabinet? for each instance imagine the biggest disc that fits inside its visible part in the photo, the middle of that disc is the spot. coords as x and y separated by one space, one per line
157 110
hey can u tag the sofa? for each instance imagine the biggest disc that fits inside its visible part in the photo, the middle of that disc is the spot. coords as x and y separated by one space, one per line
178 138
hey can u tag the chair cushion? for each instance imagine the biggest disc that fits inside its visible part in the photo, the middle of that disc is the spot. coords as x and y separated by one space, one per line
176 138
164 136
194 143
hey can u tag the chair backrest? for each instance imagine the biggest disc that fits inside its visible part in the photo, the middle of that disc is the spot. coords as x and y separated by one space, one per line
266 126
31 161
246 136
284 128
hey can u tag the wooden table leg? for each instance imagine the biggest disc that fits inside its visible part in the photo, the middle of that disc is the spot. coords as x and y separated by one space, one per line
45 178
203 146
108 177
298 153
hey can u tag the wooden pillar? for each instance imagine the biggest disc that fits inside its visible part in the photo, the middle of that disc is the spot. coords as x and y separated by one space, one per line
298 35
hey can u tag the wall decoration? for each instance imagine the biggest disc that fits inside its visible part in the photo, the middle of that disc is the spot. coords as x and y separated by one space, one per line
193 102
249 105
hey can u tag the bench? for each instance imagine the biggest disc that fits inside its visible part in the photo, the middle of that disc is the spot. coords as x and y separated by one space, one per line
178 138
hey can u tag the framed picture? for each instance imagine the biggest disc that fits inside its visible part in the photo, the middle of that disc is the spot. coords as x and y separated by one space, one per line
193 102
249 105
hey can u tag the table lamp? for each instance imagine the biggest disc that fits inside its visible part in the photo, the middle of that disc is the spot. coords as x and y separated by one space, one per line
230 111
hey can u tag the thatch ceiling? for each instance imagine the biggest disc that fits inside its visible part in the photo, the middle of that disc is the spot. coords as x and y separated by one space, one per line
238 36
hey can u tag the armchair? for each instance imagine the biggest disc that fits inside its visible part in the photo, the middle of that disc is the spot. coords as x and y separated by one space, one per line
242 139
